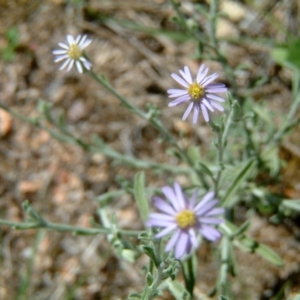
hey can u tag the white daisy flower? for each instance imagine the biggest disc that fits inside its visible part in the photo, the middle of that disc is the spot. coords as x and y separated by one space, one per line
199 92
72 52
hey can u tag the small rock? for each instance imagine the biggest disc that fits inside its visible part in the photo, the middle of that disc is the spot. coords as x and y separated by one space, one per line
5 123
77 111
234 10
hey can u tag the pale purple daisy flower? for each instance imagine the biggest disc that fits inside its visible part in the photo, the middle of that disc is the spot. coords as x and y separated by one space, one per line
200 92
186 218
72 52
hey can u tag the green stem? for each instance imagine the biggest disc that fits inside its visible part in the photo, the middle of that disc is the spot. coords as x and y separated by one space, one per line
153 120
64 228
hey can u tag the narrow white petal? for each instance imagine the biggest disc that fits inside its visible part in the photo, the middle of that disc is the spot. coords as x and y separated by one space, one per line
77 39
87 65
188 110
63 45
61 57
58 52
70 39
182 246
82 40
204 112
79 67
180 80
65 64
70 65
86 43
170 194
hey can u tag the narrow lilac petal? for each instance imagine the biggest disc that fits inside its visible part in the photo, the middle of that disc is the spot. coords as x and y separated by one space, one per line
61 57
196 114
65 64
179 100
210 220
215 90
160 216
216 85
159 223
79 67
182 245
180 80
176 92
193 237
186 74
215 211
163 206
217 106
70 39
207 104
199 72
77 39
215 97
179 195
188 110
209 79
210 233
192 201
206 208
169 193
70 65
63 45
204 112
202 75
173 240
58 52
166 231
206 198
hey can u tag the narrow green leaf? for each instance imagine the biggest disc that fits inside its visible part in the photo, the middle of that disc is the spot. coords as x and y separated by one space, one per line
268 254
140 195
193 154
292 204
238 180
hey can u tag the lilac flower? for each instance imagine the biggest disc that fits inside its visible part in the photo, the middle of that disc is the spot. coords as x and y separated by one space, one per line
199 92
72 52
186 219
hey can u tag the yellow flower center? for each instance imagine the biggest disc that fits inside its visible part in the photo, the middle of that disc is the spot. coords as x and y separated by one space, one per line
74 51
186 218
196 91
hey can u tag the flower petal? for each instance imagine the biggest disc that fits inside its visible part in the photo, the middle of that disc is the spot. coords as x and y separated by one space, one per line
176 92
163 206
188 110
201 75
173 240
179 100
209 79
204 112
65 64
206 198
171 196
186 74
58 52
210 220
217 106
206 208
179 195
210 233
196 114
166 231
215 97
181 247
180 80
207 104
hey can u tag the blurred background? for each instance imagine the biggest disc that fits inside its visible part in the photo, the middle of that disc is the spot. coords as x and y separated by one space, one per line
137 46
